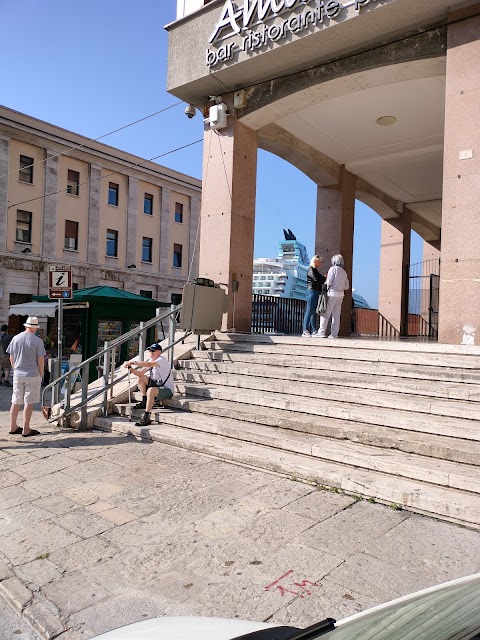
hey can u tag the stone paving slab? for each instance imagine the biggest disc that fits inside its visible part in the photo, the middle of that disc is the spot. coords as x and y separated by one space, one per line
12 627
158 530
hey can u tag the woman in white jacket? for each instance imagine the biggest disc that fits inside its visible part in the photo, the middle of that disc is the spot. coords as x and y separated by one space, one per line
337 283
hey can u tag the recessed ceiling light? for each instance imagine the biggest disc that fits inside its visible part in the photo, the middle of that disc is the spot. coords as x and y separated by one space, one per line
385 121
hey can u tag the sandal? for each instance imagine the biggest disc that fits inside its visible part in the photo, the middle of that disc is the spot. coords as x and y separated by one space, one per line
33 432
17 431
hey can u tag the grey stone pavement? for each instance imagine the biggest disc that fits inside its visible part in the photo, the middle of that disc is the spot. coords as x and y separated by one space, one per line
100 530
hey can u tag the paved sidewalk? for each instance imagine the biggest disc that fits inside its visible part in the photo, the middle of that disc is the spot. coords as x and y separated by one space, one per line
12 626
99 530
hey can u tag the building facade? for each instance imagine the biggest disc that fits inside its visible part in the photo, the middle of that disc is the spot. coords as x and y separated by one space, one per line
116 219
374 100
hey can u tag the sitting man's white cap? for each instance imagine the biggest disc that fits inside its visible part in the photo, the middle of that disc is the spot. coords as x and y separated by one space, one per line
32 321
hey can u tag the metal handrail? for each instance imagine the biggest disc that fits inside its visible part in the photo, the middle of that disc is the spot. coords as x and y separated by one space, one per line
385 328
108 366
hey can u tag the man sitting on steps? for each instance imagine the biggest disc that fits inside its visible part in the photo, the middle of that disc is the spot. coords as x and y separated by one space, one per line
155 381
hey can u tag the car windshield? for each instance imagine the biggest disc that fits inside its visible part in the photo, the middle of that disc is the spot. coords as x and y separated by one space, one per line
450 611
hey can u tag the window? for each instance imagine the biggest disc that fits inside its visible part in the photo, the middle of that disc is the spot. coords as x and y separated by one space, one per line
25 173
177 255
113 194
112 243
178 212
75 286
147 250
24 226
146 294
176 298
73 181
71 235
148 204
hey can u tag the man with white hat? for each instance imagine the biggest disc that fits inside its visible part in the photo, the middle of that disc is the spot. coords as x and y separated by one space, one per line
27 357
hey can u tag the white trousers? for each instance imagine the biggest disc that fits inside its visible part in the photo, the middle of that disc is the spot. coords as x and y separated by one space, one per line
334 309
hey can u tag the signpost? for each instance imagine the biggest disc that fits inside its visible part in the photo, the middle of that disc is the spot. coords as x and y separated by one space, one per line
59 288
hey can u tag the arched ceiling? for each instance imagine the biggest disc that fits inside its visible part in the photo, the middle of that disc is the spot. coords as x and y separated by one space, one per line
338 120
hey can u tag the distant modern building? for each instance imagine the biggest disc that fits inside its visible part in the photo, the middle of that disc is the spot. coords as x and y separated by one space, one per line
117 219
286 275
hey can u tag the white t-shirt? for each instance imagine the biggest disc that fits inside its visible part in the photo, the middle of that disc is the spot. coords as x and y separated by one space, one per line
162 373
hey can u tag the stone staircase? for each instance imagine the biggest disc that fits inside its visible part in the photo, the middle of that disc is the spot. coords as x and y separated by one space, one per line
397 422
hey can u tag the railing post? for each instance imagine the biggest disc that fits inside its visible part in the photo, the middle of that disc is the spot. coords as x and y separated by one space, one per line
57 372
68 391
158 312
83 410
106 369
113 354
141 341
171 332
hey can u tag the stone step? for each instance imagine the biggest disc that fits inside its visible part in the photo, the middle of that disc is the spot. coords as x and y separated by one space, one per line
409 345
453 448
444 502
338 393
397 463
425 444
288 371
324 363
397 418
346 350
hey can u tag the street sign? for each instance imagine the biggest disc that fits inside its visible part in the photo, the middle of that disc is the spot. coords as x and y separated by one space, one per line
60 282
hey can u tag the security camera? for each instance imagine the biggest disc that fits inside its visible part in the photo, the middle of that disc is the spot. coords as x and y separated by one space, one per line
190 111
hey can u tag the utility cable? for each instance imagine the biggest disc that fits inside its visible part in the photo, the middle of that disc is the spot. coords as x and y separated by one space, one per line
199 216
133 166
224 167
126 126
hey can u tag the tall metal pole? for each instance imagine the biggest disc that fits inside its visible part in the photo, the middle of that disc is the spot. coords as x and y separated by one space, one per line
59 347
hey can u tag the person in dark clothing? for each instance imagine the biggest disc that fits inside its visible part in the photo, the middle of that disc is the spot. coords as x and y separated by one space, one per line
5 339
315 282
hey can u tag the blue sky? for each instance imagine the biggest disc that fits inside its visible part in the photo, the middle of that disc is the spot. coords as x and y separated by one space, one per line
96 65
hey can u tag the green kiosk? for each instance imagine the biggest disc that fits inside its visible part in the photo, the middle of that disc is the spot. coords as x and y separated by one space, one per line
98 314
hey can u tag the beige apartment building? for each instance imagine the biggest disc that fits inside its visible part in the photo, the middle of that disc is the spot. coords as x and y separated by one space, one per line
118 220
374 100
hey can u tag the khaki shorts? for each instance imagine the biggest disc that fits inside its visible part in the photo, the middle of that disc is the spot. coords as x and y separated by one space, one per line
26 389
6 361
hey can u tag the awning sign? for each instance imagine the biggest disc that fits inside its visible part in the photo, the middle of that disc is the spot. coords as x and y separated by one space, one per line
294 16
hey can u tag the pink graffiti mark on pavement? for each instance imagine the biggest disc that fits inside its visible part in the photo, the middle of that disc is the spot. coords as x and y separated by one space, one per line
284 590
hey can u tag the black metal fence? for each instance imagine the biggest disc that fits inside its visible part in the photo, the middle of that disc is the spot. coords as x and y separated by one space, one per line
424 279
277 315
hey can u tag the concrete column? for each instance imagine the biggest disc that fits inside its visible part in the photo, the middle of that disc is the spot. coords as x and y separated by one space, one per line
394 270
228 214
4 168
334 233
165 222
94 243
132 217
459 308
194 239
50 207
